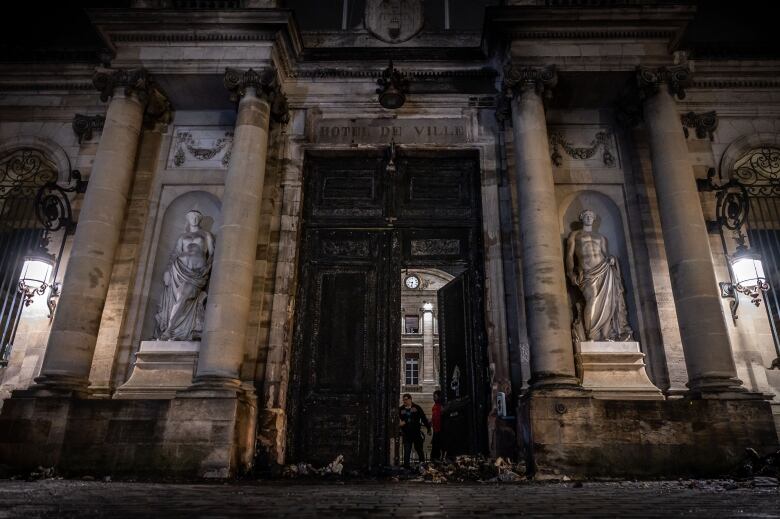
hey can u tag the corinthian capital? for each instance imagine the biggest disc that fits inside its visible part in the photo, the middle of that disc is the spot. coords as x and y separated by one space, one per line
140 83
265 84
136 81
517 79
676 78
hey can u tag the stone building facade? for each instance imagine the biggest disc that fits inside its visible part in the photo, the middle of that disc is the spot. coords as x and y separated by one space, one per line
334 150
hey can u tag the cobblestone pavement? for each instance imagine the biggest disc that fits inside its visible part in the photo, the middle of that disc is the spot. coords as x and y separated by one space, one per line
68 498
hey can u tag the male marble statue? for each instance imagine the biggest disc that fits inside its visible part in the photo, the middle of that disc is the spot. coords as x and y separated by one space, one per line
597 275
182 307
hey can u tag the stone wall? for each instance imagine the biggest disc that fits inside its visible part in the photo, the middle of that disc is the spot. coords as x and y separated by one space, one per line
185 437
586 437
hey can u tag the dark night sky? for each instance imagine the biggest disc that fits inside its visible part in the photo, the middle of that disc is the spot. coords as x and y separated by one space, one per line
744 29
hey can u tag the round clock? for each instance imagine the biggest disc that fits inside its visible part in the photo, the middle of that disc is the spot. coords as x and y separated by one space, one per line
412 281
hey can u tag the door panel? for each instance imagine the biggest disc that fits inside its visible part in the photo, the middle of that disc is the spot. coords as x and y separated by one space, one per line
461 368
438 188
341 346
345 189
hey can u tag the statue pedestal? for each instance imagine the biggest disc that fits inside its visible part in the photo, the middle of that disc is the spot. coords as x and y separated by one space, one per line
161 369
615 371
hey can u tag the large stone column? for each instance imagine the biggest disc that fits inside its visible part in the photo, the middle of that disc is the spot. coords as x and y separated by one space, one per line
427 327
544 279
230 289
703 329
71 344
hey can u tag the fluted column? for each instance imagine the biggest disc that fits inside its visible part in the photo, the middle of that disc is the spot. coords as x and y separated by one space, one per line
230 289
544 279
73 336
703 329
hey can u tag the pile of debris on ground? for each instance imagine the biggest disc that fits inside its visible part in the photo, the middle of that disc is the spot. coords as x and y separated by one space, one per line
461 469
333 469
472 468
764 470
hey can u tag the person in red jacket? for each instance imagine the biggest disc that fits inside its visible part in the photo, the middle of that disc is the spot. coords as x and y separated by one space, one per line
436 423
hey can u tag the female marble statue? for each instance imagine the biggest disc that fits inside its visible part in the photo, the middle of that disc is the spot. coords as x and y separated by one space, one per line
182 307
597 275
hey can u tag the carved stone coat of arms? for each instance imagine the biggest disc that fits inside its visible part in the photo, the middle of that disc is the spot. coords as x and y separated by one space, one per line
394 21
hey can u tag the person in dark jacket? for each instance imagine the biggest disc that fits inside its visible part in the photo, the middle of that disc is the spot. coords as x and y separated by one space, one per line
412 419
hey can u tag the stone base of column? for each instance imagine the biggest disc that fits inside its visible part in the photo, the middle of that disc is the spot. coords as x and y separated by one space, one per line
719 387
615 370
214 386
554 381
589 437
55 385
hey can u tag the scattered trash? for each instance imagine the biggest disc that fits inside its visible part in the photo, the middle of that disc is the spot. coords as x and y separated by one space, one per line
42 473
471 468
757 465
334 468
765 482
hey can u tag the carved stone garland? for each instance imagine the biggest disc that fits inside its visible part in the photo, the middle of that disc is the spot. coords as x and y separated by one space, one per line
600 140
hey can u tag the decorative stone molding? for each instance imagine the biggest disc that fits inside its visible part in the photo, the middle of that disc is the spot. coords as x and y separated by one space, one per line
705 124
602 140
266 87
85 125
201 148
541 79
677 78
137 82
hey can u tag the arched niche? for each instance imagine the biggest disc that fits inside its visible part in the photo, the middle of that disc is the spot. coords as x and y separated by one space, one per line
609 223
173 225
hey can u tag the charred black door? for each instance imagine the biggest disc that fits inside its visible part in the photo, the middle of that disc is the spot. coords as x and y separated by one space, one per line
343 343
363 223
460 377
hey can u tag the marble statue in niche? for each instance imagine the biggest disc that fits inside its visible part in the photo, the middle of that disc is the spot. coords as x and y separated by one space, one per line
182 306
590 268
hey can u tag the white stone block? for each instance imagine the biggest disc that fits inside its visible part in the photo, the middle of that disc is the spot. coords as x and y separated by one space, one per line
615 371
161 369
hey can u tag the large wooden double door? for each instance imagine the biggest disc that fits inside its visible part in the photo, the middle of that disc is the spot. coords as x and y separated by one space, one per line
363 223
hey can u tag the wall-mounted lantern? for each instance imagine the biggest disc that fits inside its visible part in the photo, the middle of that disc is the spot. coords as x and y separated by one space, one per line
53 210
393 87
36 273
747 276
746 270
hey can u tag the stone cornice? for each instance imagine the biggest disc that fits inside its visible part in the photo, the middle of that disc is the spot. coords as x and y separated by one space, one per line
265 84
32 85
735 82
519 78
118 26
650 79
591 34
661 21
